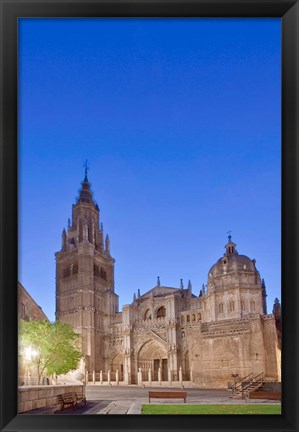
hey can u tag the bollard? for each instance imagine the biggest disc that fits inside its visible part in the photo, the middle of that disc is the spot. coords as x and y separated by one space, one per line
93 377
109 377
126 376
181 376
116 377
101 377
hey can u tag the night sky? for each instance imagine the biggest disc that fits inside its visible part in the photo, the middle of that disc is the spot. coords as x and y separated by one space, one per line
180 122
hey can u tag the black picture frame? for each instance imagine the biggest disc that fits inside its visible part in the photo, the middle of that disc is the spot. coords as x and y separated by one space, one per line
288 11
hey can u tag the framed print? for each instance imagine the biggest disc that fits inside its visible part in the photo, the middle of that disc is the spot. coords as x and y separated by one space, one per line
119 308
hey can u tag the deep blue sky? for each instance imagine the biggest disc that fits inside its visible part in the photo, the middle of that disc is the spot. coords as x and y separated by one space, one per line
180 122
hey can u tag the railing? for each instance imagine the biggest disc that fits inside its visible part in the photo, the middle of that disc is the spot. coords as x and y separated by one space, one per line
239 384
256 382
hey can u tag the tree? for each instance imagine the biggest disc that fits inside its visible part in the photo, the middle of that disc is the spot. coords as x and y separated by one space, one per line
54 347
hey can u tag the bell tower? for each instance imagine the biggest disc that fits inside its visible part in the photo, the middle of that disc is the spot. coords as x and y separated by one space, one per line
85 295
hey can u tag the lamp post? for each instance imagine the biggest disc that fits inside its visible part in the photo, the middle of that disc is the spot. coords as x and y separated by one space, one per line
235 376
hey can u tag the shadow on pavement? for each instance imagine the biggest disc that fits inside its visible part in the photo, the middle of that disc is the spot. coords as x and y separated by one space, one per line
81 408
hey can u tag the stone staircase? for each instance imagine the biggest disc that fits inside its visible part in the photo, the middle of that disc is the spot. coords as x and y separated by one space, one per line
245 385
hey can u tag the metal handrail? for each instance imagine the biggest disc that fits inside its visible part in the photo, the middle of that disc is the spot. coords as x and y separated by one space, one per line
255 380
238 383
261 375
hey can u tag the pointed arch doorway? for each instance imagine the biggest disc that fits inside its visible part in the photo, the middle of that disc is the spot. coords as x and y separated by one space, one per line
153 355
117 364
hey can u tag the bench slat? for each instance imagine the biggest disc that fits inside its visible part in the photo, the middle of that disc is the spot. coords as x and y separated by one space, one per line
167 395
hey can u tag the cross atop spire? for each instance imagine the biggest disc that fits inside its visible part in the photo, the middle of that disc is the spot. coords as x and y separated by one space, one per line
86 169
229 236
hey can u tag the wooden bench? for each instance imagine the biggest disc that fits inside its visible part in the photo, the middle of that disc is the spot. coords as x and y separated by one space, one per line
79 397
167 395
66 399
70 399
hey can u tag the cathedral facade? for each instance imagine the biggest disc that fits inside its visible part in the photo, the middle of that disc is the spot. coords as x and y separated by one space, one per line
166 333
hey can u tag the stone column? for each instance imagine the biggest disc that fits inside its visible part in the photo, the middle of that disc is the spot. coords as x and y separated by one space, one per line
93 377
191 374
181 376
108 377
101 377
169 376
86 377
159 376
117 378
150 376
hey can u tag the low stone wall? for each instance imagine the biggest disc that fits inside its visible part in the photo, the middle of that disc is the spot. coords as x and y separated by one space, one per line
32 397
271 387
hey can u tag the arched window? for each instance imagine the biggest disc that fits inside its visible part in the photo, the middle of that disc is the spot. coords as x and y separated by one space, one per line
103 274
188 318
199 316
193 317
75 268
252 306
220 307
66 272
96 270
231 306
147 315
242 305
161 312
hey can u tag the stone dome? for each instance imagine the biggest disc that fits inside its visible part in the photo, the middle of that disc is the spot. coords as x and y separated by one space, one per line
232 262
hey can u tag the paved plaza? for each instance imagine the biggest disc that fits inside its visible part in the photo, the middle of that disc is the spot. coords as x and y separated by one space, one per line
129 399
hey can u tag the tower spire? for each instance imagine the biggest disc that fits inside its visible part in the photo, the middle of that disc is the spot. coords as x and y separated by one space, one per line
85 193
107 244
86 169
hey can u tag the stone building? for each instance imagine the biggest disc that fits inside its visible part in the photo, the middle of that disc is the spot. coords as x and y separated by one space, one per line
166 333
28 309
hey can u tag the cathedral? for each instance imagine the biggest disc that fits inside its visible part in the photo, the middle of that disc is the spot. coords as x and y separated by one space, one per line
167 331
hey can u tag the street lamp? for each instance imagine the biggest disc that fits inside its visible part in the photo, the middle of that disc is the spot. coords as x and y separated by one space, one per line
235 376
29 354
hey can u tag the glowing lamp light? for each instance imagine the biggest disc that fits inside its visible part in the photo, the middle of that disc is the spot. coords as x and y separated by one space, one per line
30 353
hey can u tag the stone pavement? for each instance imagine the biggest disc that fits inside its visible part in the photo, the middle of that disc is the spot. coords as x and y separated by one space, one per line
129 399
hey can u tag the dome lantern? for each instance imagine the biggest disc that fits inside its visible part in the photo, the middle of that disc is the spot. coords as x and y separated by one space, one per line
230 246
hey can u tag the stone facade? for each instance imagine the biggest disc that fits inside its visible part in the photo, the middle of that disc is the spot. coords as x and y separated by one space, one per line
28 310
224 330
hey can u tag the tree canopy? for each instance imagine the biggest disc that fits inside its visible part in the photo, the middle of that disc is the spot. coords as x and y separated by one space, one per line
54 347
